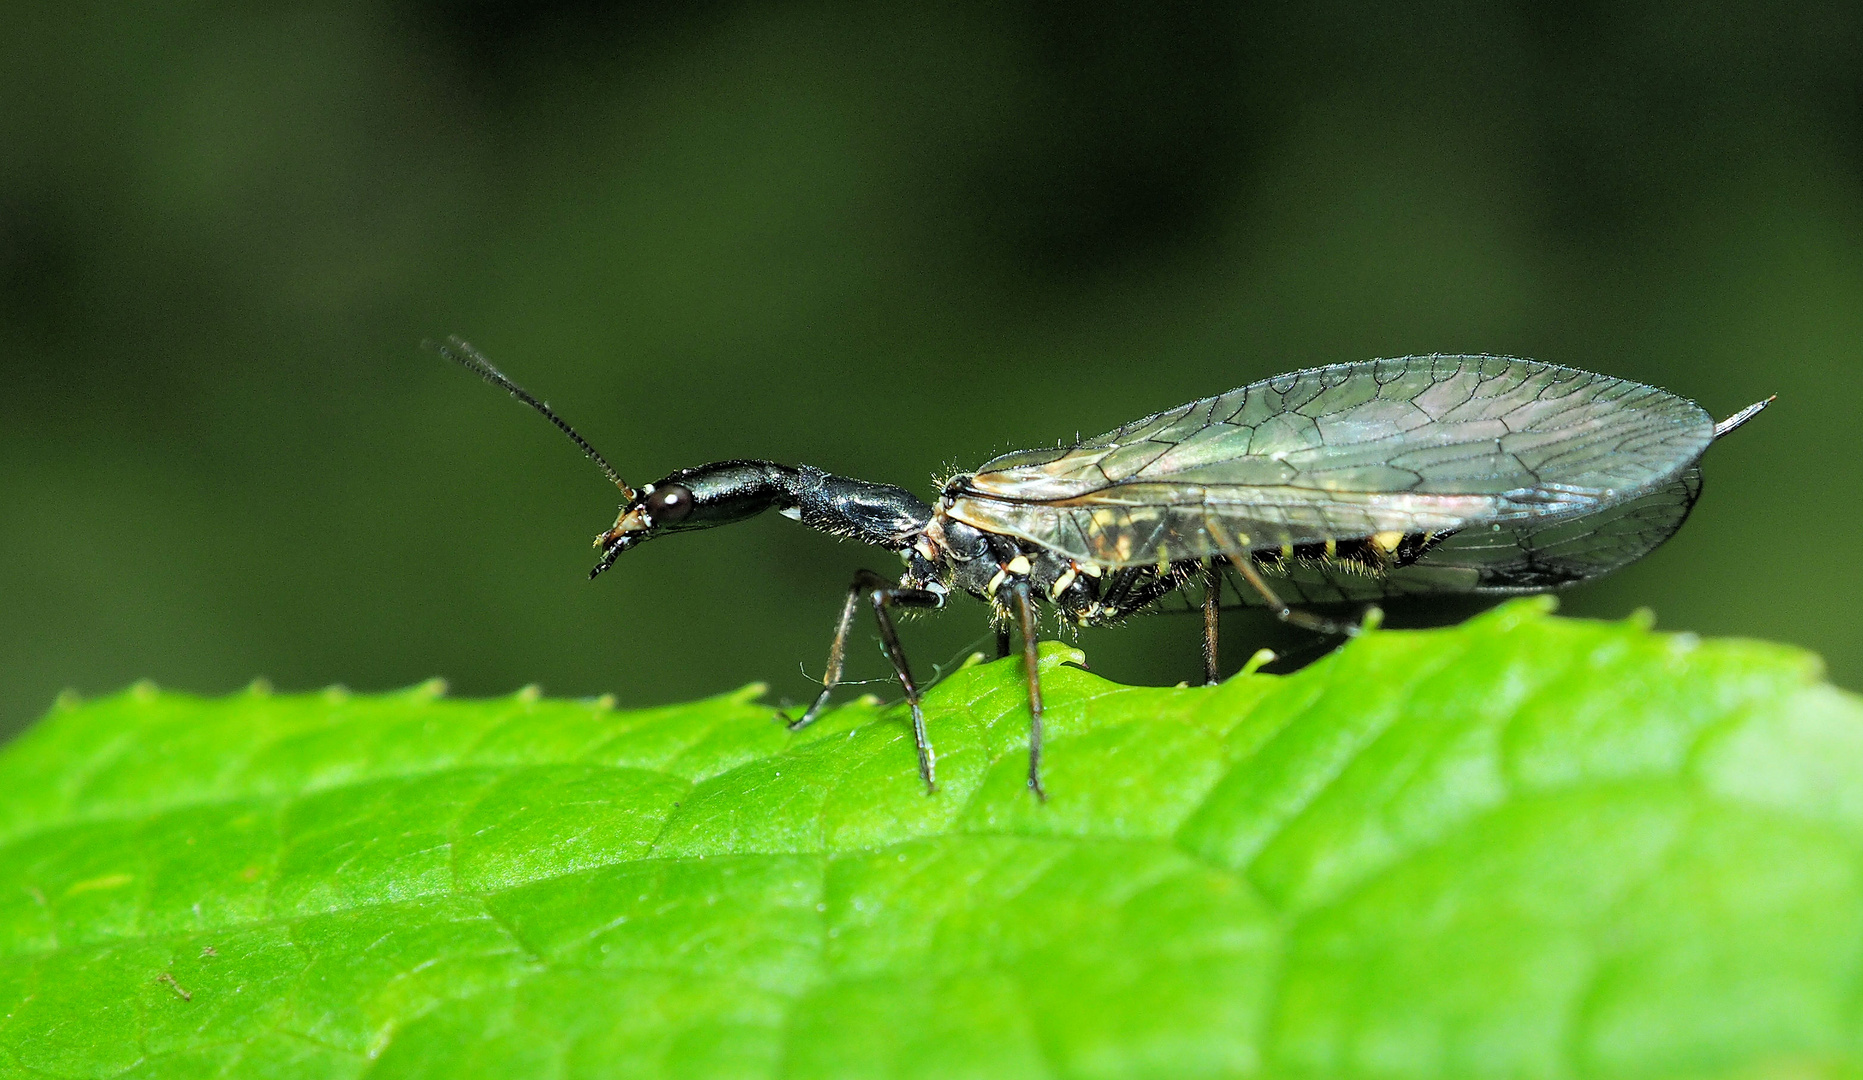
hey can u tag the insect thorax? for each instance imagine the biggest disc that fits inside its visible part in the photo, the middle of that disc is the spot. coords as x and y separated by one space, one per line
955 555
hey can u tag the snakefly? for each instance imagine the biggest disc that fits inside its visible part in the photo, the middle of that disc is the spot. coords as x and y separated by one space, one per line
1340 484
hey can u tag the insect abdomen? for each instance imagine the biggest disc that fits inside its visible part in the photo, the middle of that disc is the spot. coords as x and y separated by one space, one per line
1371 554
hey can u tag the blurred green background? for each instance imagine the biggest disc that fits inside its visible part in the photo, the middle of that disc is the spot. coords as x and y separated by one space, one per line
884 239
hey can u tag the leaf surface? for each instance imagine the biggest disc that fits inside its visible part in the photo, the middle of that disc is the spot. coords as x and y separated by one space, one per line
1525 846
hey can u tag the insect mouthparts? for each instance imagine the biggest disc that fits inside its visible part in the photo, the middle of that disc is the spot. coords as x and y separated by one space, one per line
609 555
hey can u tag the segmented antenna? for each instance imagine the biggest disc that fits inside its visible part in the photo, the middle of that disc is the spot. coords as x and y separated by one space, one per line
459 351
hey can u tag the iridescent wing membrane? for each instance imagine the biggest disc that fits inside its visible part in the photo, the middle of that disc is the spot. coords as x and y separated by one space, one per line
1539 474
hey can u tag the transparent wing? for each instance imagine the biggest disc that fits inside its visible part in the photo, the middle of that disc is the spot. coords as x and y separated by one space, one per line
1526 555
1415 444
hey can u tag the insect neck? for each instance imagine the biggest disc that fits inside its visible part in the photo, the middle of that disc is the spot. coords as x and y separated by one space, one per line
878 514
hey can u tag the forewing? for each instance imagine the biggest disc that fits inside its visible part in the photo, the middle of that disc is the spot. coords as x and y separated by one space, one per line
1413 444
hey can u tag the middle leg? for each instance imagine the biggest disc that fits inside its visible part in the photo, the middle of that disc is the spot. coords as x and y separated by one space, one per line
1212 601
1023 606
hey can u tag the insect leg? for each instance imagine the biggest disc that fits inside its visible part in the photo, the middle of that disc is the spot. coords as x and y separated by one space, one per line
1245 565
837 652
1212 600
884 596
1002 642
1306 620
1031 656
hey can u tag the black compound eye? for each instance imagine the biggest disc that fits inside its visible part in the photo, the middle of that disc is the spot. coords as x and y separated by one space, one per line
669 503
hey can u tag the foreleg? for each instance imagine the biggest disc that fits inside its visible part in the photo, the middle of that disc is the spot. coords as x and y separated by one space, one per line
883 594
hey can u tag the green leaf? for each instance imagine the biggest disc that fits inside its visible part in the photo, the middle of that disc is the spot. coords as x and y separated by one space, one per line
1525 846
